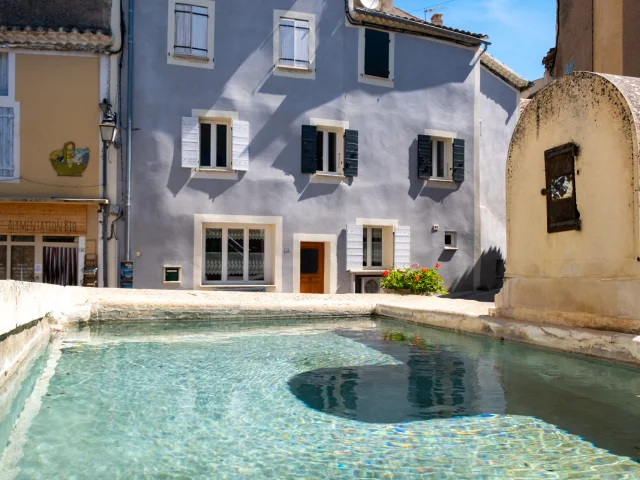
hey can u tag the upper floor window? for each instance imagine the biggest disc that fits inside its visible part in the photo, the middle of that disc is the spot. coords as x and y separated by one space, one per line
191 30
9 120
376 57
327 151
294 42
214 144
440 156
4 74
329 147
190 35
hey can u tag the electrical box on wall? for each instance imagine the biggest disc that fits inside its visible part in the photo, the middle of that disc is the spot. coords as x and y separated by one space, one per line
436 227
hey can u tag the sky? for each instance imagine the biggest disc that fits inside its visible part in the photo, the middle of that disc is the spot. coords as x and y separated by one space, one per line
521 32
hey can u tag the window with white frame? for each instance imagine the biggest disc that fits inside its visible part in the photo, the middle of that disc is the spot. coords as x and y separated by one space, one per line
236 254
9 121
190 35
191 30
372 247
294 43
214 144
441 155
328 148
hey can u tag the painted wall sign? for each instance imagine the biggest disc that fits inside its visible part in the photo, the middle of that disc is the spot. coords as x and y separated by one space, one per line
69 161
43 219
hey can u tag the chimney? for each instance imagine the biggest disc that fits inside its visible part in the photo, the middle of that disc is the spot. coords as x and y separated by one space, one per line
436 19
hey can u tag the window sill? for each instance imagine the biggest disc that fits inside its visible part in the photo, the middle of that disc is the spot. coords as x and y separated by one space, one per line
440 183
171 283
295 72
191 58
451 248
330 178
214 173
379 81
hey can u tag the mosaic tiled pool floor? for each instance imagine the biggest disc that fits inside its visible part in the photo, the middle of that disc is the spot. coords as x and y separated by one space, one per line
362 398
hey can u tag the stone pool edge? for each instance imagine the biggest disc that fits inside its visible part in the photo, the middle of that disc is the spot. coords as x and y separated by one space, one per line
612 346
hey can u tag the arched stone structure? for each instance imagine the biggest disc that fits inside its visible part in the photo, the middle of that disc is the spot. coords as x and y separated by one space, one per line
573 224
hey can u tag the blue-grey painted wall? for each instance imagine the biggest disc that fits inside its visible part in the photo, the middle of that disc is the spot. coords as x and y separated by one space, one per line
435 88
498 113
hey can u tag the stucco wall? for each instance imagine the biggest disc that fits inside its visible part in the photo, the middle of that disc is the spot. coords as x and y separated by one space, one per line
434 89
631 20
58 98
608 36
498 110
576 36
588 110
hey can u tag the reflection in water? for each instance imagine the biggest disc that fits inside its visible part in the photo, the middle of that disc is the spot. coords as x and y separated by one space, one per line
431 383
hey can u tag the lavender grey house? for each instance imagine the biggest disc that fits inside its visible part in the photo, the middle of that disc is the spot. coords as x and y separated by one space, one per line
307 146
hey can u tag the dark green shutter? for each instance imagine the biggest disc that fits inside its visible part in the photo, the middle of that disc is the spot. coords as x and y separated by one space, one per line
351 153
458 160
376 53
425 156
309 148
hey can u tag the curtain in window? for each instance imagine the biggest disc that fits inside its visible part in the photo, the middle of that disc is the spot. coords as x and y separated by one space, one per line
4 74
256 255
3 262
199 20
235 255
376 247
6 142
60 265
213 247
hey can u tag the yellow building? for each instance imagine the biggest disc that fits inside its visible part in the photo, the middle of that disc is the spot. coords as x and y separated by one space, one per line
52 194
573 211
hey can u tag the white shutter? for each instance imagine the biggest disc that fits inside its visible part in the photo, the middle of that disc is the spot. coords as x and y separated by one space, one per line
301 44
190 142
287 42
402 247
240 145
354 247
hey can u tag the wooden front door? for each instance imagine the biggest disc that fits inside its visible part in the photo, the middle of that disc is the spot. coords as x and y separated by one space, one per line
311 267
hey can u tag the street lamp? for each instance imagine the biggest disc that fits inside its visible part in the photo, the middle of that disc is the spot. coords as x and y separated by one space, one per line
108 126
108 132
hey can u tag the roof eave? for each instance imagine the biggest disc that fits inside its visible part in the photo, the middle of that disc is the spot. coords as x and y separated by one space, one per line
419 27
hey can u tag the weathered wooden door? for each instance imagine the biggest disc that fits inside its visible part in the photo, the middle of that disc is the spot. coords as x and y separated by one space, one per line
311 267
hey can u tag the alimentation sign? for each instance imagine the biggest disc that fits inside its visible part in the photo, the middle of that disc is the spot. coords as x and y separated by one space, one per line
43 219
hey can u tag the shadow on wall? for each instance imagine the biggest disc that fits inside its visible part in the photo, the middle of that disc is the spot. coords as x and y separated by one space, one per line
492 268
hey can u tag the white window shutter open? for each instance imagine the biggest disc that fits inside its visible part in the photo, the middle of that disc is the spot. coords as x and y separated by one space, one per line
402 247
240 145
190 142
354 247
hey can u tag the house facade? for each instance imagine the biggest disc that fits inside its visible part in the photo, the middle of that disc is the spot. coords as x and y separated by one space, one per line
315 147
596 36
55 68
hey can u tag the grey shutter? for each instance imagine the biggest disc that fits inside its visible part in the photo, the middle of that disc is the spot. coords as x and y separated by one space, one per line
309 148
6 142
240 145
351 153
425 156
190 142
287 42
458 160
376 53
354 247
402 247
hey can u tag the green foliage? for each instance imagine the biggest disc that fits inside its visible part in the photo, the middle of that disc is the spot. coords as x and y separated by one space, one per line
416 279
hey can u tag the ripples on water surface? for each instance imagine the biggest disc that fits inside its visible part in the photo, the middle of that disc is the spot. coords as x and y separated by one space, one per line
356 398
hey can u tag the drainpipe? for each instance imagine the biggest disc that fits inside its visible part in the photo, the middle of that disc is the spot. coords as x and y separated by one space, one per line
127 187
105 220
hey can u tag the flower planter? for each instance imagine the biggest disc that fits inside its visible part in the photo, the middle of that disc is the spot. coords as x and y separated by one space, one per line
399 291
